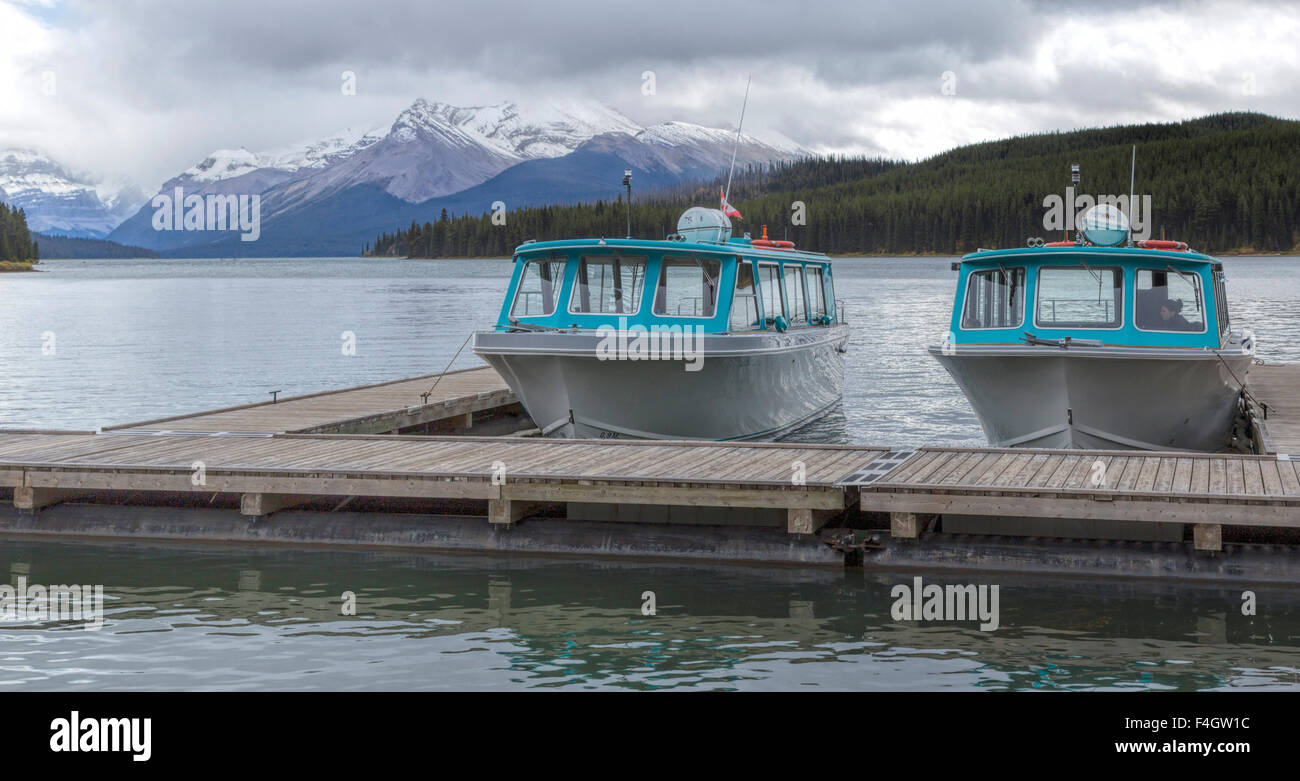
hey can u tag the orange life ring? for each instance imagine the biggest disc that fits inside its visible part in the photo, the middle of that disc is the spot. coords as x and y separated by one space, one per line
1172 246
770 244
1059 244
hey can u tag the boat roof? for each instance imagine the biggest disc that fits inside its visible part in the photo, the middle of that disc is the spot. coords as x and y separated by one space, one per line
1048 254
730 249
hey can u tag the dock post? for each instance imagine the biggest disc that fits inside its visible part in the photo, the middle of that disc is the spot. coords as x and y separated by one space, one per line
30 499
801 520
259 505
1208 536
507 512
909 525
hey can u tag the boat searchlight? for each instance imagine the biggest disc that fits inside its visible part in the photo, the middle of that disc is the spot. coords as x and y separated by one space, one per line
1105 225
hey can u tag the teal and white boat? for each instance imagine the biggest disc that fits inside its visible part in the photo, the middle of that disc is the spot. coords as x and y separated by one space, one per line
1081 345
697 336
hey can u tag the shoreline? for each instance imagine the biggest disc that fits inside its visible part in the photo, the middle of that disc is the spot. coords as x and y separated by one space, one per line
16 267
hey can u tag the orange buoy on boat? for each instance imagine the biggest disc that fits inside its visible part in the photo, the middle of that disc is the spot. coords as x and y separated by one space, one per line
1171 246
771 243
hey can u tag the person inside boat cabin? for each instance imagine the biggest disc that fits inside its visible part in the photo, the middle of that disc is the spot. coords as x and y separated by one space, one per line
1172 318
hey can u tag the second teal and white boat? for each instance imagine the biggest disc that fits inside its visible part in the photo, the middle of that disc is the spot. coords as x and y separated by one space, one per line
1077 344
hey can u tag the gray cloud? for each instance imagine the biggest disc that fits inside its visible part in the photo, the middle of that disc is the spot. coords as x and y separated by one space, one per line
148 88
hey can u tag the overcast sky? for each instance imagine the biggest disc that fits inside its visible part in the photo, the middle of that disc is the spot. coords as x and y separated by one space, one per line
143 89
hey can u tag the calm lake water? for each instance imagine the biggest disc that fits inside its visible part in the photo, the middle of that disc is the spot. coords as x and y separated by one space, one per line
96 343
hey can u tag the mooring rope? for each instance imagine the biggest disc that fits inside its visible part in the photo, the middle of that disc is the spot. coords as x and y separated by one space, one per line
425 396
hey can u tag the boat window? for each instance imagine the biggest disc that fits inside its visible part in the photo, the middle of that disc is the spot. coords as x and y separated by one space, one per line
994 299
744 302
688 287
794 293
769 278
1169 301
828 280
816 294
608 285
1080 297
539 287
1221 302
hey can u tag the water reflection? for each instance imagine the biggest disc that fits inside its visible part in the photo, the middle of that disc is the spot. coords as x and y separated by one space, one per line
231 618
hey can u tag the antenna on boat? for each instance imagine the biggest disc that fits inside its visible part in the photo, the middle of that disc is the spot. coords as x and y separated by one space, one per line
726 197
627 182
1074 183
1132 185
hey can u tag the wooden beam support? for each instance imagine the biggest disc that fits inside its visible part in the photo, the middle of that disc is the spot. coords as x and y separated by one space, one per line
260 505
908 525
802 520
1208 536
507 512
692 496
1227 511
32 499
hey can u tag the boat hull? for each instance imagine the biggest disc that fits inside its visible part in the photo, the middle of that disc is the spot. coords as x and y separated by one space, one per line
745 386
1121 399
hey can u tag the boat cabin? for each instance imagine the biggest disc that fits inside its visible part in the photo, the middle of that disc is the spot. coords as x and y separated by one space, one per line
1118 296
726 286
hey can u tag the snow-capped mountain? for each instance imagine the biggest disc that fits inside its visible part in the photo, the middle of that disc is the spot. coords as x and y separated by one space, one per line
232 163
59 202
434 156
435 149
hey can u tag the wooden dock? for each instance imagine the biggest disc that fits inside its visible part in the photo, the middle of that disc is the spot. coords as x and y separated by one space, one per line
397 406
1206 491
326 450
516 476
1278 386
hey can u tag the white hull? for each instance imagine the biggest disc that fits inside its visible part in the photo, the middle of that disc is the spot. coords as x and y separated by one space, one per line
1101 398
746 386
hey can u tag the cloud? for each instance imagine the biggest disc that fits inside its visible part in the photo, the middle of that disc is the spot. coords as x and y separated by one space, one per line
145 89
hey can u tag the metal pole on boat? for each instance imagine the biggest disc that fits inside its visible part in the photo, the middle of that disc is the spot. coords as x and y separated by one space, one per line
726 197
1074 184
627 182
1132 185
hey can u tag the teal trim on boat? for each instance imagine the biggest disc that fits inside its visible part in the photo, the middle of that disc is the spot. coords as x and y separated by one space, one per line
641 312
1133 303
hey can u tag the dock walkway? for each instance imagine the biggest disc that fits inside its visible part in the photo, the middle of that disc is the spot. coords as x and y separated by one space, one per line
516 475
324 449
1278 386
386 407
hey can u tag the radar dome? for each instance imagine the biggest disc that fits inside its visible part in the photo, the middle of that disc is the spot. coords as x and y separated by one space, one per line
1104 225
707 225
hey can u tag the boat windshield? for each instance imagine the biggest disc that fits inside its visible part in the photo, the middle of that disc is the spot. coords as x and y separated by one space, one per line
769 280
1080 297
688 287
744 303
816 294
1167 300
794 293
994 299
539 287
608 285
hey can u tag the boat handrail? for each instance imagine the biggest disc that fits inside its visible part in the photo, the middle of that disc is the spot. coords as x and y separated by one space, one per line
1064 342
